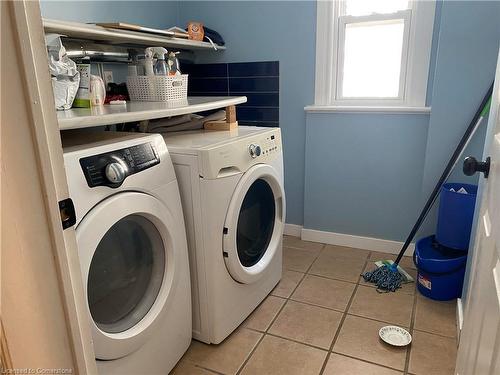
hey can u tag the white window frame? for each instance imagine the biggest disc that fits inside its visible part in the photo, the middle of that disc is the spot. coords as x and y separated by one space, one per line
343 21
417 43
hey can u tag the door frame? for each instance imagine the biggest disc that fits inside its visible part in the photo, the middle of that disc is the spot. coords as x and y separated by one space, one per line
29 32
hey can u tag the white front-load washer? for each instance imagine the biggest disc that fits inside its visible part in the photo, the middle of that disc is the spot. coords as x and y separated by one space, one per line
132 249
231 185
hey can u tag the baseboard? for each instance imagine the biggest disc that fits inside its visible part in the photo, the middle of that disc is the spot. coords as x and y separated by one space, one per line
293 230
359 242
460 318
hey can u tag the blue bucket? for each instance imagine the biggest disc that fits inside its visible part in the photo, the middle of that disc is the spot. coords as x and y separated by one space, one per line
456 212
440 272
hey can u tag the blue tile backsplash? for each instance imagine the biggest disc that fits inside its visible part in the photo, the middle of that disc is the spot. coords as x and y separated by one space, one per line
205 70
261 99
258 81
254 69
204 85
254 84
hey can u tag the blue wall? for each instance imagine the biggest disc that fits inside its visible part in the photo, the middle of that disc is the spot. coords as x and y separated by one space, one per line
364 172
263 31
465 67
152 13
361 174
467 47
161 14
346 193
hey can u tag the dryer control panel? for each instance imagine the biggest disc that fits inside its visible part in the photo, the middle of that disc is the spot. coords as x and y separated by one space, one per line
112 168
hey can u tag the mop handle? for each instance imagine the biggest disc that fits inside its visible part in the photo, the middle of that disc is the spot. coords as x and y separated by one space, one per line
474 124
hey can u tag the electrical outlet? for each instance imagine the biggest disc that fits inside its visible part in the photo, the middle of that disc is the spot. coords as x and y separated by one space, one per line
108 77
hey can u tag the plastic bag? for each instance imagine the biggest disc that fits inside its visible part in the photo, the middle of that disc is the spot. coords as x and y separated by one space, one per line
65 76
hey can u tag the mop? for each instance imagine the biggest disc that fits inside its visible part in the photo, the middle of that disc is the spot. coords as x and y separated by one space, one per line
388 276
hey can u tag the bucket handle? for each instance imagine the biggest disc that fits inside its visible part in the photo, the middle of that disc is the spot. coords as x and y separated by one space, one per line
436 273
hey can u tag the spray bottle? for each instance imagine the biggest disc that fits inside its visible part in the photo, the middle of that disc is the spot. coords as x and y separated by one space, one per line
161 68
173 64
148 61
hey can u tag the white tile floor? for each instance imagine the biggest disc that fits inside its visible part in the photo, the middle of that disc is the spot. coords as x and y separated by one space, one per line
322 318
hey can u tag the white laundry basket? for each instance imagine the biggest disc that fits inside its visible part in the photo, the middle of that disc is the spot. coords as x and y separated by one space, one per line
157 88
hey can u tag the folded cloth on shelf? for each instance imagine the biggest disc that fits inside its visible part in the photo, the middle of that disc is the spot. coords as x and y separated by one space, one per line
184 122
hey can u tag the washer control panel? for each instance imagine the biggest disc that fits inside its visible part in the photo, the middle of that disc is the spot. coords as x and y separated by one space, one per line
254 150
112 168
265 147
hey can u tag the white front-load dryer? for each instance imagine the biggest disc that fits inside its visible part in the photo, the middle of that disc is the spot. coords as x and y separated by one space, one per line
132 249
231 185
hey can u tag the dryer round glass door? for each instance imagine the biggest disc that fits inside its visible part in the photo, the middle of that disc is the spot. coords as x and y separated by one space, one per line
254 224
128 259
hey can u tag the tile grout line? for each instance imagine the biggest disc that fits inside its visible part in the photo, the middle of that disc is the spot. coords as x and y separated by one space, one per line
341 323
243 364
265 333
209 370
196 365
345 312
325 350
297 342
435 334
261 332
376 320
227 78
367 361
352 314
412 325
337 279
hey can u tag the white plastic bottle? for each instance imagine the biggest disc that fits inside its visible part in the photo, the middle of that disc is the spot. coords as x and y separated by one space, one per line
173 64
148 61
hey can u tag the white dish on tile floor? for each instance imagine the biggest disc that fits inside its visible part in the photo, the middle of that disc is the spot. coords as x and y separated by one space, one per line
395 336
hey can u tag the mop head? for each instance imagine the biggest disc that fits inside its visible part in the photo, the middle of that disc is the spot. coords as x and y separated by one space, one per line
388 276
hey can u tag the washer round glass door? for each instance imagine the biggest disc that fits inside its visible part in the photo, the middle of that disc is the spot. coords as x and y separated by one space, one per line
127 265
254 223
125 274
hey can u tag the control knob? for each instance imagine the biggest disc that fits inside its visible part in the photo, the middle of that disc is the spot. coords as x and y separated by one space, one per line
254 150
115 172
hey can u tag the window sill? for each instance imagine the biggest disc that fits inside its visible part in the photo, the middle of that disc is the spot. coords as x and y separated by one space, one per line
367 109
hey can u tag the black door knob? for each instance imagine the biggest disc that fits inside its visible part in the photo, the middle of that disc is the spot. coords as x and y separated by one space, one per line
471 166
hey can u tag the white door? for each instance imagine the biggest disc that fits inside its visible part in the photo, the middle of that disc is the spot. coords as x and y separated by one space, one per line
128 262
254 223
479 349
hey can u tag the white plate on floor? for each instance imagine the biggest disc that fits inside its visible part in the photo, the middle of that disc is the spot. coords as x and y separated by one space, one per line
395 336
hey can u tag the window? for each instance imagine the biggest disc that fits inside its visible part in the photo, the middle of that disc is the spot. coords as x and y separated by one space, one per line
373 52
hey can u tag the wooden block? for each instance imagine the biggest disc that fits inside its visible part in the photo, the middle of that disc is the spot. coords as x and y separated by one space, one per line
231 114
220 125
